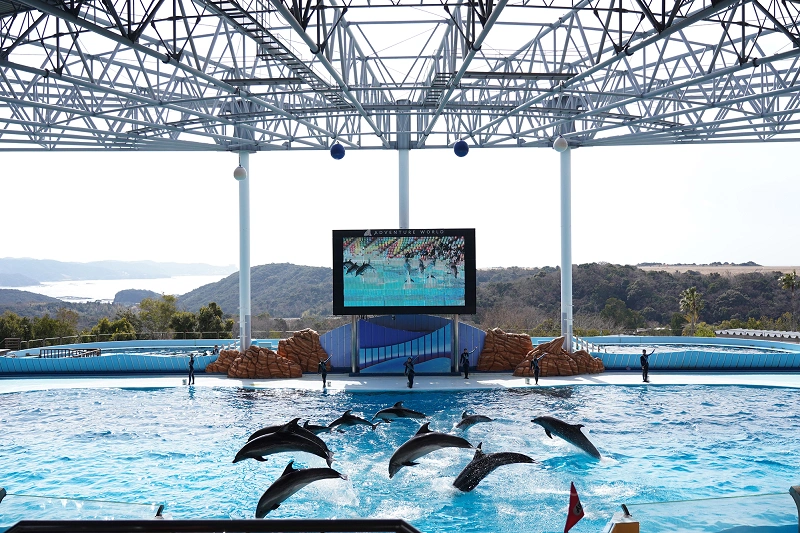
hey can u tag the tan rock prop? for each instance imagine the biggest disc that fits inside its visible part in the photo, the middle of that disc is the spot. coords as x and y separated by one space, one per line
503 351
263 363
223 362
304 348
559 362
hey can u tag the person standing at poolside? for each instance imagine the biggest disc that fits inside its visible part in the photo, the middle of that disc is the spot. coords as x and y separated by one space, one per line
191 369
464 361
322 368
409 371
645 361
535 367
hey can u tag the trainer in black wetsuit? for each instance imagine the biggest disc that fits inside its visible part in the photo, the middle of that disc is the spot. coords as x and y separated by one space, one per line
322 368
535 367
191 369
464 362
409 372
645 361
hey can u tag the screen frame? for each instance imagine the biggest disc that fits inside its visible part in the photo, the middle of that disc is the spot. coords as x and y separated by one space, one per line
469 307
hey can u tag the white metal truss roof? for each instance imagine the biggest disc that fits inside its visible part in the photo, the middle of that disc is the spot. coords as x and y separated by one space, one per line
386 74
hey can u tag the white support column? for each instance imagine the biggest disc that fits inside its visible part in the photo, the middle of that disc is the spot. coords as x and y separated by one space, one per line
566 248
244 253
403 147
454 345
403 181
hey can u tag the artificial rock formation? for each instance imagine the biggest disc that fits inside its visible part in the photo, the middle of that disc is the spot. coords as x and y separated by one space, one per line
303 348
503 351
223 362
559 362
263 363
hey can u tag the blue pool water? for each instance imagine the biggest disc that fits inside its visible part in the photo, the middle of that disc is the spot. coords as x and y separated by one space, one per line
175 446
689 346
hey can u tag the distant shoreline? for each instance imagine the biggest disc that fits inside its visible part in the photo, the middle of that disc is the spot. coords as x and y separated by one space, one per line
727 270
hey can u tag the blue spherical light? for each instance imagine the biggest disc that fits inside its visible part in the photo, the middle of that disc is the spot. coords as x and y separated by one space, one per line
461 148
337 151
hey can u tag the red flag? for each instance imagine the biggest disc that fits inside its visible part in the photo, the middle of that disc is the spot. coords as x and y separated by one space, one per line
575 511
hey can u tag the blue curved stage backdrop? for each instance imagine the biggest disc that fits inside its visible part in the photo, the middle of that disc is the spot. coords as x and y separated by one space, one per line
386 341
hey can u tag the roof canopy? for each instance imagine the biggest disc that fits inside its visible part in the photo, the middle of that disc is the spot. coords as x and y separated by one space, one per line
387 74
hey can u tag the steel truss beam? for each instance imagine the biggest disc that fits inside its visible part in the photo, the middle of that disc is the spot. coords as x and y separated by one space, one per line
276 75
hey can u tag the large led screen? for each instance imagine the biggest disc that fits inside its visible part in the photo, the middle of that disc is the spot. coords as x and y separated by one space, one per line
403 271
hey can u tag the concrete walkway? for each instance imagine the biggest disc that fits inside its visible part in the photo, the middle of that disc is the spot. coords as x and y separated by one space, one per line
367 383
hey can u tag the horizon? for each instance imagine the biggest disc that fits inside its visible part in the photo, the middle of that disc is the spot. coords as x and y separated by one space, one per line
680 204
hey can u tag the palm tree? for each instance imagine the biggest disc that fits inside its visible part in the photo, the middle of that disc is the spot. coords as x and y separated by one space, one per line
790 282
691 303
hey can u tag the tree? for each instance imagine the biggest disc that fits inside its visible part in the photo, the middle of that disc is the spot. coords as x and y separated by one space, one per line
156 314
118 330
183 321
790 282
13 326
46 327
210 320
691 303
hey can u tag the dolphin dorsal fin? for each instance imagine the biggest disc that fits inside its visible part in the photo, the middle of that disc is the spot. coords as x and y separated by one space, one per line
305 424
289 468
424 429
398 404
293 422
347 412
478 452
464 415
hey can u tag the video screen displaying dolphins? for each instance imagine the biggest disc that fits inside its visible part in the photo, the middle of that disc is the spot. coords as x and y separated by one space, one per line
404 271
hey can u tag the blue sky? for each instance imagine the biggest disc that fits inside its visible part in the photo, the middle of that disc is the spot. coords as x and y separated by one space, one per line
670 204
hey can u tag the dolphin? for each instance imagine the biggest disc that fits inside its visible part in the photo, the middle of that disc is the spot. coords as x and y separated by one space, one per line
360 270
352 268
292 427
569 432
422 443
291 481
351 420
279 442
397 411
470 420
316 430
483 464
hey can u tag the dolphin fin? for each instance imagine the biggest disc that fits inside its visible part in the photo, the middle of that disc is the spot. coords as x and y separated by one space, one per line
399 404
478 452
289 468
409 463
424 429
464 415
547 432
262 459
293 422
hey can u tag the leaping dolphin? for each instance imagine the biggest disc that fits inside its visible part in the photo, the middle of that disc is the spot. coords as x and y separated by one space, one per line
483 464
279 442
422 443
293 427
470 420
316 430
351 420
569 432
291 481
397 411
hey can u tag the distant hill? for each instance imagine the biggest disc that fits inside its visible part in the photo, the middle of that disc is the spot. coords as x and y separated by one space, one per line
38 270
16 280
12 297
280 289
134 296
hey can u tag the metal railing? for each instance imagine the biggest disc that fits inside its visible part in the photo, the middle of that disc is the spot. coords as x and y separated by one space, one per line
69 352
214 526
582 344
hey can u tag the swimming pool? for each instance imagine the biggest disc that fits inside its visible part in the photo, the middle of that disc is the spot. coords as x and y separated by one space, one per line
175 446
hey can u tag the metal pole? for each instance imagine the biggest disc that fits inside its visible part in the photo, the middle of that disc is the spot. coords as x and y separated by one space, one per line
244 253
403 166
354 344
566 249
455 345
403 146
